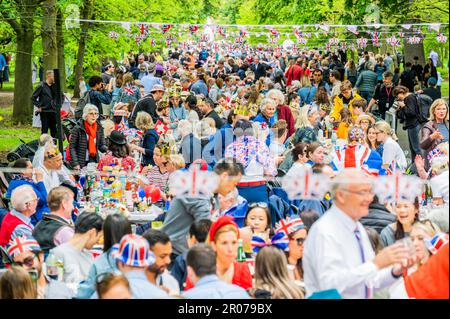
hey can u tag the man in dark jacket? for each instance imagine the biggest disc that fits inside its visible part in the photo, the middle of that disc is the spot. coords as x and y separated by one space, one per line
99 93
258 68
379 216
207 109
57 227
148 104
44 98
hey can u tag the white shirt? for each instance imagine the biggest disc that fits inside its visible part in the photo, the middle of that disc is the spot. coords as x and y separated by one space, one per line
439 186
434 56
393 152
332 258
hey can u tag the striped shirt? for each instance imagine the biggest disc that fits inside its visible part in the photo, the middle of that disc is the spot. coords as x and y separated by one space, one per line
157 178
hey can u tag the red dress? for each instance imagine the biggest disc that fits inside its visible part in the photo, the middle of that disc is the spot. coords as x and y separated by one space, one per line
241 277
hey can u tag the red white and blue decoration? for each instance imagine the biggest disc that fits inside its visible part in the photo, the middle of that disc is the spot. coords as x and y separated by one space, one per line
362 43
303 184
279 240
161 128
414 40
393 41
193 183
436 242
398 188
289 225
113 35
133 250
334 41
441 38
21 244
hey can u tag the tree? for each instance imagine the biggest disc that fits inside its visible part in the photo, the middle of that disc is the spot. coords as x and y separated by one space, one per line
20 15
49 38
60 47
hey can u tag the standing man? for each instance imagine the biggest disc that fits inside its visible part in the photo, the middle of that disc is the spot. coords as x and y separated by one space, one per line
258 68
108 74
384 95
2 68
148 104
338 253
207 108
418 69
44 98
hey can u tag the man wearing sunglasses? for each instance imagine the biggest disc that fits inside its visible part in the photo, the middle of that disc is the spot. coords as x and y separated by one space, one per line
26 252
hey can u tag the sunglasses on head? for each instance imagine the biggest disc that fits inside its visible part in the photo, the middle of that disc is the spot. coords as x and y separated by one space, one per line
258 204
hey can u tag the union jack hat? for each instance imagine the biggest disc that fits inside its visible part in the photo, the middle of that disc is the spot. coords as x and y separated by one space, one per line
288 226
436 242
22 244
133 250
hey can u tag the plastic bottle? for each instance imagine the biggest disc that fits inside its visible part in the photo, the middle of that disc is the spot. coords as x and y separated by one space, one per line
54 269
241 255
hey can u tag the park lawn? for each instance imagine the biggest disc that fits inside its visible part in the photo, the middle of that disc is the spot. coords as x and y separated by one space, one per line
444 89
10 137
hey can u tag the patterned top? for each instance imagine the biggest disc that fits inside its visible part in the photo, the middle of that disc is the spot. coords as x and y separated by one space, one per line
247 148
158 179
108 159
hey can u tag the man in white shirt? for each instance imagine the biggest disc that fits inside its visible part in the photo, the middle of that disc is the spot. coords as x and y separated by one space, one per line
434 56
338 254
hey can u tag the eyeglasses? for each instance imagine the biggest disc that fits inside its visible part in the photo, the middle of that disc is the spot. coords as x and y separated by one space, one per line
299 241
258 204
33 200
362 193
95 114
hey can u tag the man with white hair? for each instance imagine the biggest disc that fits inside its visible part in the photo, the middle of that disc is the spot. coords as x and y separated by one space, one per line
54 172
17 222
283 112
338 253
190 146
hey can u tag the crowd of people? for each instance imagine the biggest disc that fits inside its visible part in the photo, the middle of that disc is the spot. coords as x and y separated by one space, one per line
251 118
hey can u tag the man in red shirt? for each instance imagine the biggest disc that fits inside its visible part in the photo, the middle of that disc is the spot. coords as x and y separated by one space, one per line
294 73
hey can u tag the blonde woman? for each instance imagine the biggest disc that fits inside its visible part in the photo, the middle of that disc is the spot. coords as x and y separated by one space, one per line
419 231
16 283
150 138
271 276
307 121
435 131
392 152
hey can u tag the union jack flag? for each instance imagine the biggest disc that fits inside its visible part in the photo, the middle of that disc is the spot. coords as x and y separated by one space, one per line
129 90
168 43
138 38
298 33
393 41
152 42
143 28
216 46
362 43
205 38
122 126
113 35
161 128
375 37
165 28
133 250
222 31
397 187
401 34
274 32
21 244
279 240
302 41
303 184
242 33
96 251
193 28
436 242
193 183
441 38
414 40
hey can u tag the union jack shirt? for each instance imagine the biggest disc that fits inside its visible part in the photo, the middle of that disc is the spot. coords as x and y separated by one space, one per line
247 148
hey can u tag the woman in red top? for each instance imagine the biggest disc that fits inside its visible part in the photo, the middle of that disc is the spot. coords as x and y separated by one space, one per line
223 237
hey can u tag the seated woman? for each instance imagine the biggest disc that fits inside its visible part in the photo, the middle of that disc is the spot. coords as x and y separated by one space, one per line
118 153
297 235
271 276
26 178
421 230
407 214
87 139
299 154
158 175
145 124
306 125
371 140
223 237
315 154
255 157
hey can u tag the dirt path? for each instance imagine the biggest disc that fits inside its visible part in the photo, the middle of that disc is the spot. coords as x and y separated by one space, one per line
6 98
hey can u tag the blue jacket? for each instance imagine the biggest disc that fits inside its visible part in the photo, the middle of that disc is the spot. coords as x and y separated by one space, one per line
211 287
200 87
98 98
239 212
223 138
149 142
105 263
2 61
179 269
307 95
41 193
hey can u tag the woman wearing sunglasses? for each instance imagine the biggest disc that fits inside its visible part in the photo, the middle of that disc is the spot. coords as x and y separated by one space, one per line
294 255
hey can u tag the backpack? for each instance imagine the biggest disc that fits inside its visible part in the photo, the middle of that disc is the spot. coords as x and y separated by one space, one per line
85 99
424 102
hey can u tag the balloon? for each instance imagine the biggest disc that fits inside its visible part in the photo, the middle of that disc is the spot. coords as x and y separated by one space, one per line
155 194
141 192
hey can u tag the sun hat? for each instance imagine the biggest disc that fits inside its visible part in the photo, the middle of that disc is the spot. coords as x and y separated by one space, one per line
366 117
133 250
117 138
157 87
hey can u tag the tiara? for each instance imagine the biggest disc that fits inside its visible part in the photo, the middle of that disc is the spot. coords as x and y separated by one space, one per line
242 110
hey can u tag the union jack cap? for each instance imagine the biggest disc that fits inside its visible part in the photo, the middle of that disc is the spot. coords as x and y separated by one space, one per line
289 226
22 244
133 250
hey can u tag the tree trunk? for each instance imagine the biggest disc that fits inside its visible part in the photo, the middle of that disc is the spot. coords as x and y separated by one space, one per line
60 43
85 14
49 45
23 88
